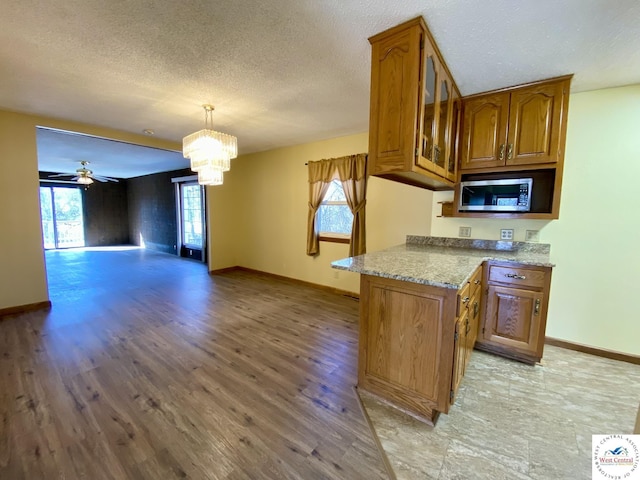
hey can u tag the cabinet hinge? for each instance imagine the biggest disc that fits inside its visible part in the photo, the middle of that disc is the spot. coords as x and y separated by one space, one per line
451 395
417 152
455 336
483 330
421 43
486 291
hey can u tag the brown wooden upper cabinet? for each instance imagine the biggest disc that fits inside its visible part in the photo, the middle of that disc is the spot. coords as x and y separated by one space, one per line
519 126
415 109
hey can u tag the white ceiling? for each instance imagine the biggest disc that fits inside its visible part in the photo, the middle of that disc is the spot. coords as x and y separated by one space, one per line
286 72
61 152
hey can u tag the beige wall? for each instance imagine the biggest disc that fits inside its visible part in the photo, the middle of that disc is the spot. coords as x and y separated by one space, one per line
22 271
265 224
595 242
22 268
258 218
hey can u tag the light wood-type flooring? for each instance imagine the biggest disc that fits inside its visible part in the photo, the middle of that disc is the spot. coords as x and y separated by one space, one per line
149 368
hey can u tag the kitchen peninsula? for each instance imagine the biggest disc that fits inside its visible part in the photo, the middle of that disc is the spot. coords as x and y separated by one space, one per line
426 304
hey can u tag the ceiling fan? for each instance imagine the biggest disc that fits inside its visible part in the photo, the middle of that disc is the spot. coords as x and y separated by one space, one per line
84 176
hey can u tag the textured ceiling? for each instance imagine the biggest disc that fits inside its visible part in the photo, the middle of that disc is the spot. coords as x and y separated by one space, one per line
286 72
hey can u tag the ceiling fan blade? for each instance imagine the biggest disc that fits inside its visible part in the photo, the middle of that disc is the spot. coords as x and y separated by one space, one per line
101 178
62 175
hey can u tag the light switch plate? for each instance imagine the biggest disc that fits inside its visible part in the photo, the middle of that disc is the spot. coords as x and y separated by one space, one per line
506 234
464 232
532 235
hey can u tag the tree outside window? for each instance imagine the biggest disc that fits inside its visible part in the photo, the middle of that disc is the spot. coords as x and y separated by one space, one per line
334 215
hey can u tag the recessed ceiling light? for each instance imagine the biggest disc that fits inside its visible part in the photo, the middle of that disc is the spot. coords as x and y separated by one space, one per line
148 131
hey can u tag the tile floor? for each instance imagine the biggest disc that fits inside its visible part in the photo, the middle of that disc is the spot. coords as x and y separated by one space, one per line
513 421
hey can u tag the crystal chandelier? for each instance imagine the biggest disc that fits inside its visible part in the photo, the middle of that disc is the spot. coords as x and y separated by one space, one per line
210 152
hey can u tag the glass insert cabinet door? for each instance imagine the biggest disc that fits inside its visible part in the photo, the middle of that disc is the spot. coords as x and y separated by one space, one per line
451 140
440 149
427 117
439 107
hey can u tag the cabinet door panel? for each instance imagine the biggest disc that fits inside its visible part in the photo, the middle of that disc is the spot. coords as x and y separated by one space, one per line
485 131
459 356
534 125
452 151
475 308
402 346
513 317
394 101
443 123
430 109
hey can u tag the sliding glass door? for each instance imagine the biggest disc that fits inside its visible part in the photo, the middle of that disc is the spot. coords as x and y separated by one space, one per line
62 219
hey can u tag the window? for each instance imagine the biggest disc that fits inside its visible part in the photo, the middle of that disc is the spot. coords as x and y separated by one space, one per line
192 215
337 199
335 219
62 219
191 205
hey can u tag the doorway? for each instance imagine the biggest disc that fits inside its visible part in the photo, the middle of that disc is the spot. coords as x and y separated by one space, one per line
191 215
62 217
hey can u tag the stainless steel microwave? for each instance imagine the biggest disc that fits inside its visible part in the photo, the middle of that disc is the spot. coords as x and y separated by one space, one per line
505 195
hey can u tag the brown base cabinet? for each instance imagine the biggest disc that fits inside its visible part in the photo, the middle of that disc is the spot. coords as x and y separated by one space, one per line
415 342
517 298
406 344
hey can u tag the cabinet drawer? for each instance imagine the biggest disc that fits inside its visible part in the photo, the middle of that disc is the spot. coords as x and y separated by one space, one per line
463 299
475 281
524 277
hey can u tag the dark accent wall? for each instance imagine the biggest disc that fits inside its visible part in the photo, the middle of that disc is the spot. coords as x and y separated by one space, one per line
106 219
152 210
105 212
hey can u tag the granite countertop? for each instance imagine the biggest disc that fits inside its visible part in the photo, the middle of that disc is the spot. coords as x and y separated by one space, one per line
442 262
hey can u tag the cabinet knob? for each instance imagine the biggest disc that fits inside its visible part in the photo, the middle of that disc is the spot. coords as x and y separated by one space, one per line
513 275
510 151
536 308
465 300
501 155
477 282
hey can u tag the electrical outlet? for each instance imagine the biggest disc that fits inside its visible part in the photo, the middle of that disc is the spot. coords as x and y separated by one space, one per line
506 234
532 236
464 232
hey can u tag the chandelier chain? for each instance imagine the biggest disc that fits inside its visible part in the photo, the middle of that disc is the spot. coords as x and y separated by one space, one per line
208 116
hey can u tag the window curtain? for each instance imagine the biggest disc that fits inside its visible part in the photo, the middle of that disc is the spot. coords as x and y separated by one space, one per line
320 176
352 173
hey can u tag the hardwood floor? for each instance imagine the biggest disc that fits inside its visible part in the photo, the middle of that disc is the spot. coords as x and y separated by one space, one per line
147 367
